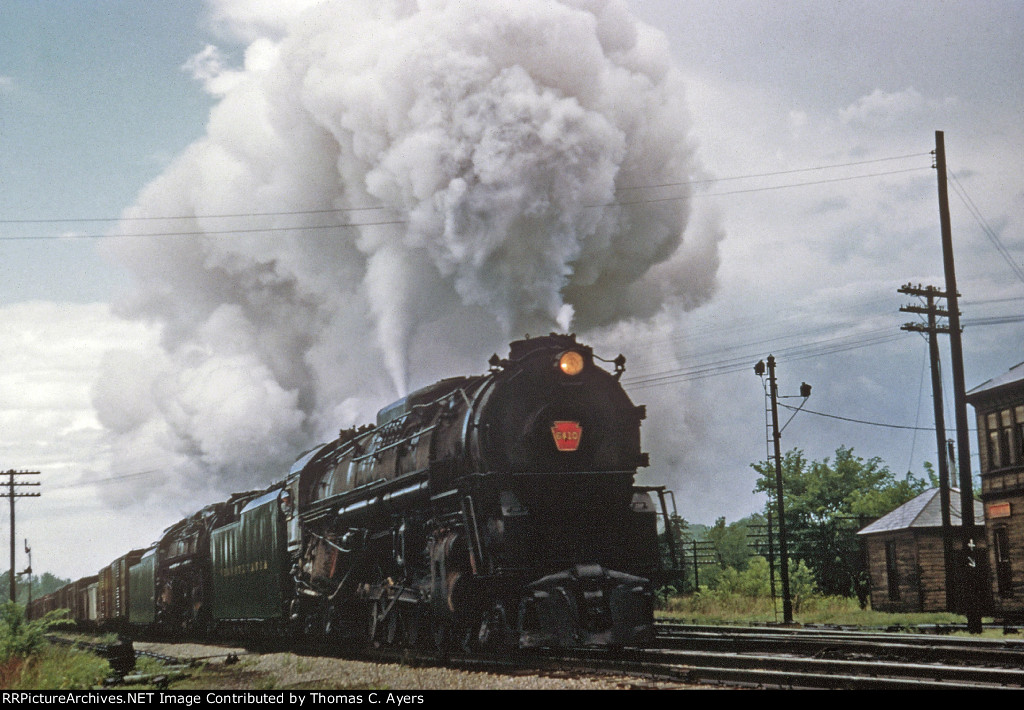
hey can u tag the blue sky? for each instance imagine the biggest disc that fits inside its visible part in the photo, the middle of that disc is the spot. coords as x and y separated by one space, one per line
95 105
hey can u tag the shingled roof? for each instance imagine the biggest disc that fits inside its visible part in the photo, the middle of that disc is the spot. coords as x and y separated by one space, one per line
1014 377
924 511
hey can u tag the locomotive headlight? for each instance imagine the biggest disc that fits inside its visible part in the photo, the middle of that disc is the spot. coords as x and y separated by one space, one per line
570 362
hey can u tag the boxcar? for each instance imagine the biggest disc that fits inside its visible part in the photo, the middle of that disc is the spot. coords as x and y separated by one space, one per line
113 590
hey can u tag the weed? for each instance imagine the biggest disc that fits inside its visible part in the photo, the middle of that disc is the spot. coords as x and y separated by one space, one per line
20 637
60 668
731 607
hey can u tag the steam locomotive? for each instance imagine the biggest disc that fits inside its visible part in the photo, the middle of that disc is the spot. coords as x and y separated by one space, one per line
486 512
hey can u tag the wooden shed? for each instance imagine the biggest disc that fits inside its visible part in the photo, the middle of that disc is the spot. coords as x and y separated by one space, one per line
905 554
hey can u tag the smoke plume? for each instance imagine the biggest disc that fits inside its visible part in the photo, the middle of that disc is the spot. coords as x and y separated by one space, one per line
386 193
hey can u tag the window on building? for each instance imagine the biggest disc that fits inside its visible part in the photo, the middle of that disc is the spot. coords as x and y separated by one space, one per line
1006 452
992 429
1004 573
1018 434
1002 438
892 571
983 445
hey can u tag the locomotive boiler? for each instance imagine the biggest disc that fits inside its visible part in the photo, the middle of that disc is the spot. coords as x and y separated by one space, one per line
489 511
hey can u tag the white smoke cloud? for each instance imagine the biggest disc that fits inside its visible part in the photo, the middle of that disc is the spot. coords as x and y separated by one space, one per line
490 154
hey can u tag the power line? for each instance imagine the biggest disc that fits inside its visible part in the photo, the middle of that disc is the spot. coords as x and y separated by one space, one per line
993 320
744 325
109 479
199 233
775 173
917 414
761 189
54 220
825 346
390 222
864 421
961 192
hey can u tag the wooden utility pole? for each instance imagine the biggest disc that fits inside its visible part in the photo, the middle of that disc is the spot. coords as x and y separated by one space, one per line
932 311
11 484
776 436
787 600
969 569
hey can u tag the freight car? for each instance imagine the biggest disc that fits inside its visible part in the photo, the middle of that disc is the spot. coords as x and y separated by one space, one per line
486 512
112 591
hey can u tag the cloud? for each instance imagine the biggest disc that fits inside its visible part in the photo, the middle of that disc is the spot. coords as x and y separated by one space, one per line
50 351
881 108
51 354
211 67
249 20
486 155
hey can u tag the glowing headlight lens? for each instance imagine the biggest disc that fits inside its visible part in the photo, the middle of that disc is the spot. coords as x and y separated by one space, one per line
571 362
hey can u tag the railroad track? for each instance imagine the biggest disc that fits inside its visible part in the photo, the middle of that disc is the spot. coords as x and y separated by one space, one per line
845 643
818 658
789 658
771 657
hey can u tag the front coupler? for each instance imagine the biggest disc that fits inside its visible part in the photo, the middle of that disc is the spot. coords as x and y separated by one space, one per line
587 605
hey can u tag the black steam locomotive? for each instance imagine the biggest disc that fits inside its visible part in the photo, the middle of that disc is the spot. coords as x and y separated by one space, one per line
488 512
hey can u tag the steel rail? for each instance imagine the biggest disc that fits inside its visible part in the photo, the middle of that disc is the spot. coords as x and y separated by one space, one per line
894 645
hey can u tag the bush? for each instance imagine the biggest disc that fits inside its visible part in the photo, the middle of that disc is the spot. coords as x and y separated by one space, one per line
20 637
664 594
747 593
60 668
27 661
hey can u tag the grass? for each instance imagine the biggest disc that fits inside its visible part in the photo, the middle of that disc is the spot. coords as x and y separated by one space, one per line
29 662
815 609
55 667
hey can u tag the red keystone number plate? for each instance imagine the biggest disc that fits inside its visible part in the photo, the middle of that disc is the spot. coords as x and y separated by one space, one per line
567 435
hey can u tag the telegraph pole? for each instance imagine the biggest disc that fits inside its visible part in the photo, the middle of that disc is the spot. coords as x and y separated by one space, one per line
11 484
932 311
805 392
787 600
963 443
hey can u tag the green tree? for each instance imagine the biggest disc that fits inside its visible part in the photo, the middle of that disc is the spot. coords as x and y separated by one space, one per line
732 544
41 585
732 585
719 548
826 503
723 538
